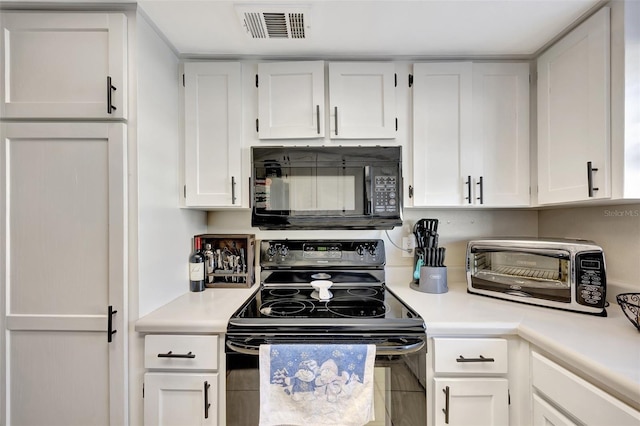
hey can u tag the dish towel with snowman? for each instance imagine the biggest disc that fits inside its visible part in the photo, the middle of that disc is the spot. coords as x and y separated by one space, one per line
316 385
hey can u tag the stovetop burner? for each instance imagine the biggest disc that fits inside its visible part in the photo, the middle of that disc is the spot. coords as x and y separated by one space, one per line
301 303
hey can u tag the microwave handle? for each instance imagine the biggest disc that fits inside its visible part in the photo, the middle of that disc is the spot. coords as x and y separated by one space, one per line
368 207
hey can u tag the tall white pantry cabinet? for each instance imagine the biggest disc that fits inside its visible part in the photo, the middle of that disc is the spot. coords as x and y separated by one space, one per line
64 218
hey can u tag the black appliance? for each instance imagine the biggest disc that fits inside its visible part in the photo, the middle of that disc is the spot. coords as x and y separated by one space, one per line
287 309
326 187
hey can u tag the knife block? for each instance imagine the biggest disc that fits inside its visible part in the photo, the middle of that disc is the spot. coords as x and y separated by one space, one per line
433 279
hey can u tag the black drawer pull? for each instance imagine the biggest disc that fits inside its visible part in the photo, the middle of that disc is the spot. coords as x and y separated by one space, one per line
479 359
207 404
170 354
445 410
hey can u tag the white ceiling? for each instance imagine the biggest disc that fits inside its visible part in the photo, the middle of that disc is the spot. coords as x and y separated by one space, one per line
366 28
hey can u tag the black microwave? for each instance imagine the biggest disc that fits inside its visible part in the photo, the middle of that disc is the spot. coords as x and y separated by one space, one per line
326 187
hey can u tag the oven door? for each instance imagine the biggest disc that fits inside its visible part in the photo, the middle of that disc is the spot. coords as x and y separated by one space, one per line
399 383
526 272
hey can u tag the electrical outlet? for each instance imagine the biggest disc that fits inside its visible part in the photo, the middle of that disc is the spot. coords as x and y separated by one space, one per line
408 244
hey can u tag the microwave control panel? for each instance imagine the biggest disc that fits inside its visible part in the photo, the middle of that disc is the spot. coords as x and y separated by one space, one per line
385 194
590 279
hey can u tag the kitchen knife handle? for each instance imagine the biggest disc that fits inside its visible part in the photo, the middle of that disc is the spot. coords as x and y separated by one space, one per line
110 88
468 183
318 118
335 119
233 189
445 410
207 404
481 184
590 170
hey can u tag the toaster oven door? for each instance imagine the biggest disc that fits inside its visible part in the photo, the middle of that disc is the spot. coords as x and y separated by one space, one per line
537 273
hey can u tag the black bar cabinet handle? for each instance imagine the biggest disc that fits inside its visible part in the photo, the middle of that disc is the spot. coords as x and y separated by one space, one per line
445 410
170 354
110 330
110 88
590 170
206 399
481 197
335 119
468 183
318 118
479 359
233 189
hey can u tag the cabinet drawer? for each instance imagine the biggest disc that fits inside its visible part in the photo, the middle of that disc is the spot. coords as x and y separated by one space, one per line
175 352
481 356
578 397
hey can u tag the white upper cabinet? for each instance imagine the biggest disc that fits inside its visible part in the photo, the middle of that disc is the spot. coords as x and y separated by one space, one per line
213 135
574 159
501 133
64 65
470 134
291 100
442 128
362 100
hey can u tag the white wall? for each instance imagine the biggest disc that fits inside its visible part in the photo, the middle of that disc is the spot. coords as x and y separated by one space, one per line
615 228
164 231
160 231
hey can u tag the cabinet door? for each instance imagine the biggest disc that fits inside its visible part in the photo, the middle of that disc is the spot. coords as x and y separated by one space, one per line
573 115
545 414
500 142
64 65
213 135
64 224
362 100
442 126
291 100
180 399
471 401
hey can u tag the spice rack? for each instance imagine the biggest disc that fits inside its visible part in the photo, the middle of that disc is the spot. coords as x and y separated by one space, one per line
232 260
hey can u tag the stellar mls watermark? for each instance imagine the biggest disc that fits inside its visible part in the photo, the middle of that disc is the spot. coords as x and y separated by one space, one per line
621 212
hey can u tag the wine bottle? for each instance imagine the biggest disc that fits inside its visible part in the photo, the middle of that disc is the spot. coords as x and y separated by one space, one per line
196 267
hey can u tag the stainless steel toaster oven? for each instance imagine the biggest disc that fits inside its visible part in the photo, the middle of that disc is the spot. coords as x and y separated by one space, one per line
556 273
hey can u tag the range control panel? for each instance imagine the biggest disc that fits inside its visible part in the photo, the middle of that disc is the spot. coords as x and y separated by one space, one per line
590 279
296 253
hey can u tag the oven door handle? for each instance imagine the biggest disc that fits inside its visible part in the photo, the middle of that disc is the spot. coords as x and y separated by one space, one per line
381 350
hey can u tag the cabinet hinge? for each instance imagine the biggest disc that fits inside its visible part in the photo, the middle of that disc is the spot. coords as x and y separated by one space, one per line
257 125
410 191
183 82
395 80
410 80
256 80
396 124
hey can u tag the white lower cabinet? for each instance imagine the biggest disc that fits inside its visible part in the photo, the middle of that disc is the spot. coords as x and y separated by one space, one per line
182 385
545 414
559 396
470 386
180 399
471 401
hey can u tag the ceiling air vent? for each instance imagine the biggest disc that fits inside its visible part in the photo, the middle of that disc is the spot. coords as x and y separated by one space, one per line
273 24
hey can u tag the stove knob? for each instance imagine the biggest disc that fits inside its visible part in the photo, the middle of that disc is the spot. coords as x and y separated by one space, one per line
271 251
284 251
360 250
373 250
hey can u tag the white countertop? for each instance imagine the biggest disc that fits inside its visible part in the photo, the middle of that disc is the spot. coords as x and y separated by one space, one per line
606 349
